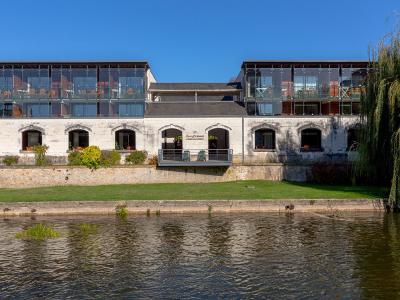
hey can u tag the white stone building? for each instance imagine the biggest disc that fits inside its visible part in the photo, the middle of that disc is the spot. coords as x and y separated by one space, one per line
275 111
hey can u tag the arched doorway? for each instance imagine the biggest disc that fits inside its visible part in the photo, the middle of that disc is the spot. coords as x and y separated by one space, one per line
218 144
172 144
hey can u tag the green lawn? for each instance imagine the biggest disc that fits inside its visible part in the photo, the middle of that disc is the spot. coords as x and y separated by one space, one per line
186 191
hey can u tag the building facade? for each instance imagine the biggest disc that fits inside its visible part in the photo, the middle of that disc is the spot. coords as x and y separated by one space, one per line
275 111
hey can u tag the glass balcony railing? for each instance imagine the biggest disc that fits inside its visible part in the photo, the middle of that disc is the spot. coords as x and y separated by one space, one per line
194 157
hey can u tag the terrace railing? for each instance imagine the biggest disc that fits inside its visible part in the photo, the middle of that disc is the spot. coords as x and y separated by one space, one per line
194 157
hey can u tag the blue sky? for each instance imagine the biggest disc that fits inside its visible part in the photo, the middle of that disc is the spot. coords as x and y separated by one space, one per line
193 41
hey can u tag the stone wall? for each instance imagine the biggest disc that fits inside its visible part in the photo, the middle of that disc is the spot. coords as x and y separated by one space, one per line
18 177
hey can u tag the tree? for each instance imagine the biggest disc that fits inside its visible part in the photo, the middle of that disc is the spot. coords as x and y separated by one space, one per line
379 151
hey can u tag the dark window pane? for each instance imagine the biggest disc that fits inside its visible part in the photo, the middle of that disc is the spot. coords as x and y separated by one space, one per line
30 139
78 139
125 140
265 139
311 140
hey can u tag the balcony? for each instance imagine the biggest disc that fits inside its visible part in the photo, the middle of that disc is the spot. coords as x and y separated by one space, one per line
195 158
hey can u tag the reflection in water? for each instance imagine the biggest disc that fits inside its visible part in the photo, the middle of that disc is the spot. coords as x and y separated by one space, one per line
377 256
198 256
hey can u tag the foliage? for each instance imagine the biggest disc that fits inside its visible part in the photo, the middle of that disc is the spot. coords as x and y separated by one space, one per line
136 157
380 116
38 232
40 154
331 173
91 157
9 160
110 158
75 158
153 160
212 138
121 211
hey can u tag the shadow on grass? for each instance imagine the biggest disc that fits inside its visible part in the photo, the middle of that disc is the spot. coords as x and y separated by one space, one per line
370 191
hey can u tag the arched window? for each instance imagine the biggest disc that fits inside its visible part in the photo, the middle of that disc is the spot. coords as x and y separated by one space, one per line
125 139
353 139
264 139
78 139
31 138
311 140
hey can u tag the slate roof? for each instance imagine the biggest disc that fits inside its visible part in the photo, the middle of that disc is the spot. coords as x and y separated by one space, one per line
228 108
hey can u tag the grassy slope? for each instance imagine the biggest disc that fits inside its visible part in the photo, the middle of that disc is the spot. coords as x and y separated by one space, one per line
187 191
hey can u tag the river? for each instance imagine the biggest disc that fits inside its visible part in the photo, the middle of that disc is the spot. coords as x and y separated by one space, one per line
269 255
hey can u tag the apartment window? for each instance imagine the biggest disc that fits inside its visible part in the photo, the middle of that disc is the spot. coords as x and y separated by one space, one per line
353 139
264 109
31 138
264 139
131 109
307 108
346 108
36 110
84 109
6 109
130 87
311 109
125 140
78 139
311 140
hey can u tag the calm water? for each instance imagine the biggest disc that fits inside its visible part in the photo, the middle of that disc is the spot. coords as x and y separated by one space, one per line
274 256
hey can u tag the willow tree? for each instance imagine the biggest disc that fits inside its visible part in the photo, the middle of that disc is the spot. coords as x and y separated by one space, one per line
379 151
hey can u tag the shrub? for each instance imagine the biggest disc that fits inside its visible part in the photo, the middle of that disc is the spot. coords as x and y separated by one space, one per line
331 173
153 160
40 154
110 158
75 158
136 157
9 160
121 211
38 232
90 157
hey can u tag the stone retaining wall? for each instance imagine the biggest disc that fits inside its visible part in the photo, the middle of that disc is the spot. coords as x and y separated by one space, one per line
18 177
331 206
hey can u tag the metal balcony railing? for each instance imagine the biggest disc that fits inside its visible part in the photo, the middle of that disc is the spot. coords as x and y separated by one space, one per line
195 157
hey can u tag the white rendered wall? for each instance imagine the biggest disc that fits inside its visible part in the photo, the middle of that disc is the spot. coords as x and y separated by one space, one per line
148 133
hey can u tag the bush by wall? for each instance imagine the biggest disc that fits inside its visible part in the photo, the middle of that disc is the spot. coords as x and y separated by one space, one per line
40 155
91 157
136 157
9 160
75 158
110 158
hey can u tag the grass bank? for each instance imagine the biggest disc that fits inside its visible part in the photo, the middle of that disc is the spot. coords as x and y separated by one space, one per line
236 190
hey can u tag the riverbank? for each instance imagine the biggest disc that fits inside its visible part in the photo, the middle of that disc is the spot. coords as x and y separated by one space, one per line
234 190
148 207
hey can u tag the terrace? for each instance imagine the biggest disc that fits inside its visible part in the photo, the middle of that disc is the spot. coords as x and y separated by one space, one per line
72 89
303 88
195 157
